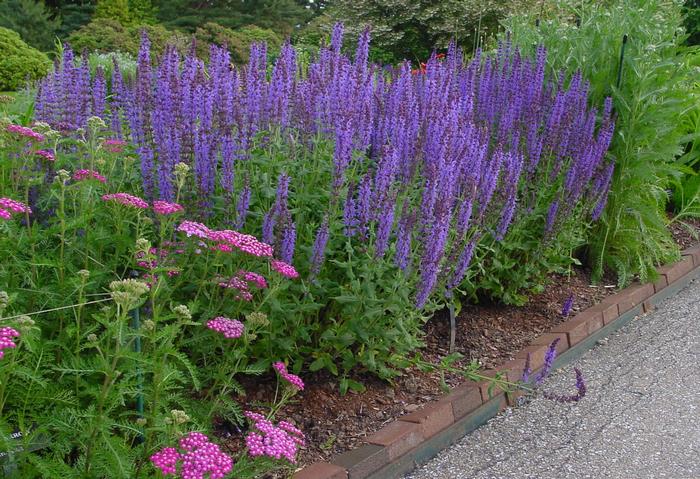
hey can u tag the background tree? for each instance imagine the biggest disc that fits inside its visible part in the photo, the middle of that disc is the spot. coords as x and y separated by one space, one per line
281 16
73 14
32 20
411 29
127 12
692 21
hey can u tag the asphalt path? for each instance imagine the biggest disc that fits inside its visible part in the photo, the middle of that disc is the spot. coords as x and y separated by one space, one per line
640 418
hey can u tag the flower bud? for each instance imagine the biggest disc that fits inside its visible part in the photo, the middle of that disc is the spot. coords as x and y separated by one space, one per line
182 312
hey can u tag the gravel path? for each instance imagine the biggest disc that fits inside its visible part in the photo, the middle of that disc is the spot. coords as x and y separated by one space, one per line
639 420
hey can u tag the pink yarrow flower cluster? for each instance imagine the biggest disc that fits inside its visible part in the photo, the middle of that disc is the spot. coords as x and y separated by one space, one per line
255 278
227 239
242 281
8 207
25 132
286 270
200 459
229 328
114 145
246 243
80 175
281 441
165 208
45 154
7 336
127 200
292 379
192 228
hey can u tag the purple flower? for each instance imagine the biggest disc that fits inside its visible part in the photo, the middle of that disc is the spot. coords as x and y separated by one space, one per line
551 216
548 361
242 205
289 238
568 304
580 390
319 249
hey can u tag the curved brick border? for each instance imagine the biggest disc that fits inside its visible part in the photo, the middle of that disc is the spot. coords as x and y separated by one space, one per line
417 437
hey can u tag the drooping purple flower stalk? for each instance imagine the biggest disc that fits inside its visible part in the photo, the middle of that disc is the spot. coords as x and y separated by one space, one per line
580 390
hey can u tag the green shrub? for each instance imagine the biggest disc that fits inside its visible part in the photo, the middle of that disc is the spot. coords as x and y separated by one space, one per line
31 20
127 12
106 35
238 41
19 61
632 236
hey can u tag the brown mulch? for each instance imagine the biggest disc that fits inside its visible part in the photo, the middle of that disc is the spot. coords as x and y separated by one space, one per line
686 233
488 333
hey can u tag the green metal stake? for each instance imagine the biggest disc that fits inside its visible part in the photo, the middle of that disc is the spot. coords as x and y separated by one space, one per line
622 58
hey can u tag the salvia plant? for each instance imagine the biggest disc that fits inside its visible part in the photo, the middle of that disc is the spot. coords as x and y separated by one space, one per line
630 50
169 232
380 184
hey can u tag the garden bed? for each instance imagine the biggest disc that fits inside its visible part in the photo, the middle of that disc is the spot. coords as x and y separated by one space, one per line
489 333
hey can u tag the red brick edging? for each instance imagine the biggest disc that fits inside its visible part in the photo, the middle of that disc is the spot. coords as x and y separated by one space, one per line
415 437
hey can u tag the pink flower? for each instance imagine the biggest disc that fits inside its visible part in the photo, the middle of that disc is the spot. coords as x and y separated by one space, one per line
222 247
281 441
191 228
8 207
235 283
25 132
193 441
80 175
165 208
286 270
246 243
6 339
244 296
206 461
230 328
166 460
254 278
126 200
202 459
45 154
114 145
227 239
292 379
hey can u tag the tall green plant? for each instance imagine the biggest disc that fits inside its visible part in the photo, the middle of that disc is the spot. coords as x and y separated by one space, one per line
588 36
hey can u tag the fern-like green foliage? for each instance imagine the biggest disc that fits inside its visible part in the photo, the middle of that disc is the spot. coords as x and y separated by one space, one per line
632 236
